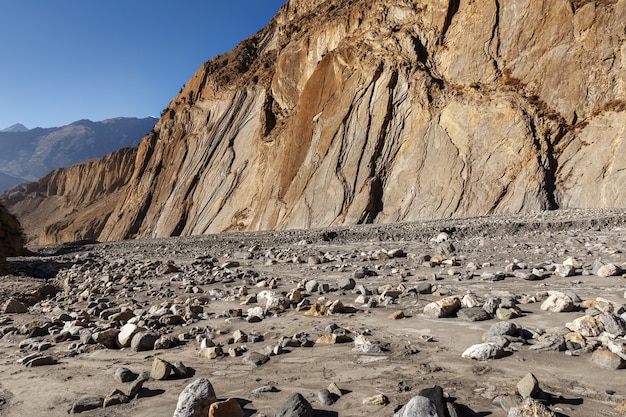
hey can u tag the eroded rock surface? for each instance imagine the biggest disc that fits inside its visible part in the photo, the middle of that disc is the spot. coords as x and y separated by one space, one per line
344 112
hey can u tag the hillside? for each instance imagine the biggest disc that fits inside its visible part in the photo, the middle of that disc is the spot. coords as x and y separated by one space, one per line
27 155
355 111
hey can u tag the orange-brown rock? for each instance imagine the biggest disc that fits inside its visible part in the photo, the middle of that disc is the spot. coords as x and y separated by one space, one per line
354 111
72 203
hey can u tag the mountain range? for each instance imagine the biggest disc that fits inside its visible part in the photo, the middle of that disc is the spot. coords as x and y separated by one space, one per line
27 155
369 111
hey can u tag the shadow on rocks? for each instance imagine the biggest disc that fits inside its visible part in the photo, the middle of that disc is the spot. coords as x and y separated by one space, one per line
324 413
148 393
37 268
464 411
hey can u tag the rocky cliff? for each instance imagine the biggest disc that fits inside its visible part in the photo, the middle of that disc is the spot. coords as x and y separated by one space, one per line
72 203
353 111
11 237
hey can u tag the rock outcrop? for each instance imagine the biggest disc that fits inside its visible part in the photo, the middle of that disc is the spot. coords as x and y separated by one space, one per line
11 237
72 203
355 111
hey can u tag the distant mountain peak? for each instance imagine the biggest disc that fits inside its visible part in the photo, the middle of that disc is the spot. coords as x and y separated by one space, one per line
18 127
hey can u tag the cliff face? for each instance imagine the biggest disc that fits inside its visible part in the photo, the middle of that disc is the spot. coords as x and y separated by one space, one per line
72 203
352 111
11 237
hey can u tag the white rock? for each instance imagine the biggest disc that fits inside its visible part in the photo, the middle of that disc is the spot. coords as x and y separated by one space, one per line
482 351
126 334
418 406
558 302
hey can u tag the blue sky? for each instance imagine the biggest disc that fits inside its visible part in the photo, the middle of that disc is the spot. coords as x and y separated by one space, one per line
66 60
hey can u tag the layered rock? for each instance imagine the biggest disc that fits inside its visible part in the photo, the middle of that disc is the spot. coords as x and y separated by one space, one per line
343 112
72 203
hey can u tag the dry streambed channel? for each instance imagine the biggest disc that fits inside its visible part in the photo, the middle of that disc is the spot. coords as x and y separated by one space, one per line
494 316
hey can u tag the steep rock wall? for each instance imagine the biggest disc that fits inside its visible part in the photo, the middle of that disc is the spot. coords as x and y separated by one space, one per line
11 237
352 111
72 203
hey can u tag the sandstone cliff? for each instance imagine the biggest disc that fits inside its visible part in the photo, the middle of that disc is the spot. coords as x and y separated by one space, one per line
72 203
352 111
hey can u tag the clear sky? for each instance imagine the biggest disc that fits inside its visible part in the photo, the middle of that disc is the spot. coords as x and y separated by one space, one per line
66 60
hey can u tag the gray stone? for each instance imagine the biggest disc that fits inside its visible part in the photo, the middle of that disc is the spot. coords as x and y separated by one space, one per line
473 314
503 328
195 399
418 406
325 398
607 359
549 343
86 403
435 395
125 375
296 406
346 284
613 324
143 341
255 358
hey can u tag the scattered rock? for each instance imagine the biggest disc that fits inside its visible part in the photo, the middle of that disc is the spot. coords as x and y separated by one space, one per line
195 399
445 307
418 406
528 386
607 359
125 375
483 351
161 369
228 408
296 406
379 399
87 403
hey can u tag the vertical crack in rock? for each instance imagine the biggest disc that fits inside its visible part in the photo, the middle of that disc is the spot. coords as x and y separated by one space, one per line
453 7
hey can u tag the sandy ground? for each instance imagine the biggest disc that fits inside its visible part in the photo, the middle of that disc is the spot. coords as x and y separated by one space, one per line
422 351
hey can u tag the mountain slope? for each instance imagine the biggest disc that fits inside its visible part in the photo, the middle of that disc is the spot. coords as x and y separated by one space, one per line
352 111
33 153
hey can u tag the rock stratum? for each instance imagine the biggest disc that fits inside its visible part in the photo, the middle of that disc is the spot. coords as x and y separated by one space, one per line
354 111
